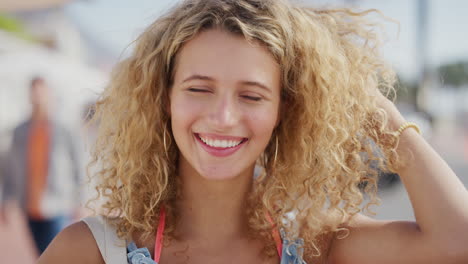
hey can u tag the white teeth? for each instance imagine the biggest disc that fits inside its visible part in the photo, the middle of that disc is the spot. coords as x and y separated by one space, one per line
210 142
225 144
217 143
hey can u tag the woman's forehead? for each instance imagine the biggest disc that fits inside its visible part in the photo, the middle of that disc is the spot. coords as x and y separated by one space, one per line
223 55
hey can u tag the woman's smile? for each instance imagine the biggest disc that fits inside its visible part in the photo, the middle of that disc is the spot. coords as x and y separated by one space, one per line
218 145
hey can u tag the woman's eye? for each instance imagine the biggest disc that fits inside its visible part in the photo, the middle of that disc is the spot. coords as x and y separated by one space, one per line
252 98
198 90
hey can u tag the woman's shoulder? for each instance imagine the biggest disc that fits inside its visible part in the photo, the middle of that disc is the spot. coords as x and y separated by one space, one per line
74 244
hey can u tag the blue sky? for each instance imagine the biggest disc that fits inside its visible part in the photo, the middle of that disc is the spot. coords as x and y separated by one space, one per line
115 23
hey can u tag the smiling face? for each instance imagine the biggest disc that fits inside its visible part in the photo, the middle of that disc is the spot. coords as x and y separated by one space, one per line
224 104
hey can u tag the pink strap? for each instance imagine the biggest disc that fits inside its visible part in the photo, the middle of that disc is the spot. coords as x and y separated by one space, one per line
162 223
276 235
159 234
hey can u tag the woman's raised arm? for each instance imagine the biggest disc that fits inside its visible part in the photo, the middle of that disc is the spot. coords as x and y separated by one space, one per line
440 204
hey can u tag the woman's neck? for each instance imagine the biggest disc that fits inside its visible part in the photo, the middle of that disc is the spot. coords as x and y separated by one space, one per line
213 210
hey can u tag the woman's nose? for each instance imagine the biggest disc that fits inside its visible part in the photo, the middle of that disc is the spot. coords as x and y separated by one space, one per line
225 113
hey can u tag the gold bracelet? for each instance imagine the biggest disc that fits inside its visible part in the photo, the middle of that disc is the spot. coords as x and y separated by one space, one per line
405 126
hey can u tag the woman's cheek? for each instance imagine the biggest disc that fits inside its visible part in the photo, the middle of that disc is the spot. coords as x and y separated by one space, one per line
263 121
186 108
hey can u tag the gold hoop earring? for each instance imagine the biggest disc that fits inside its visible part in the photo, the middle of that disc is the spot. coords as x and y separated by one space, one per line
276 151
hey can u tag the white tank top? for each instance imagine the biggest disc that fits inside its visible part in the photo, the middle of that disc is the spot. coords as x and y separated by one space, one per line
112 248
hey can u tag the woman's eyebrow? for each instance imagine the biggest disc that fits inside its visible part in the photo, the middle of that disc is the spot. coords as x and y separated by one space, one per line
198 77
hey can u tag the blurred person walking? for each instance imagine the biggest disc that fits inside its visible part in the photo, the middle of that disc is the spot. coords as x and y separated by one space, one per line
43 170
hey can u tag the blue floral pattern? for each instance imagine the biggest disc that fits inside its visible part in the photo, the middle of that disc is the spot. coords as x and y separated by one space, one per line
293 251
138 255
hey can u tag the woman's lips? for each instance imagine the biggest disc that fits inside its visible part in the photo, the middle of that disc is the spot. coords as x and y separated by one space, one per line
220 151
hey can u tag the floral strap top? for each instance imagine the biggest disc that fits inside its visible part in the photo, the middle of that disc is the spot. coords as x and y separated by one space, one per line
290 252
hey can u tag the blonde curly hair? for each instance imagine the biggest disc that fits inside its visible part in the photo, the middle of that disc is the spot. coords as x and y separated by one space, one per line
327 143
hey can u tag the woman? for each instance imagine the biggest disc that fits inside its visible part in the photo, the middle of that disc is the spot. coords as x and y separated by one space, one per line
215 88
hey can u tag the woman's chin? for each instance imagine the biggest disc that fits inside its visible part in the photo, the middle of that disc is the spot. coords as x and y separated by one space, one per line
220 174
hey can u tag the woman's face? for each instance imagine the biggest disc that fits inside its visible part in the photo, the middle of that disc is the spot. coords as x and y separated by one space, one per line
224 103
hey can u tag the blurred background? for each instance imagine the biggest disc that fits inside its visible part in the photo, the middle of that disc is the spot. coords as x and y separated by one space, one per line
72 45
